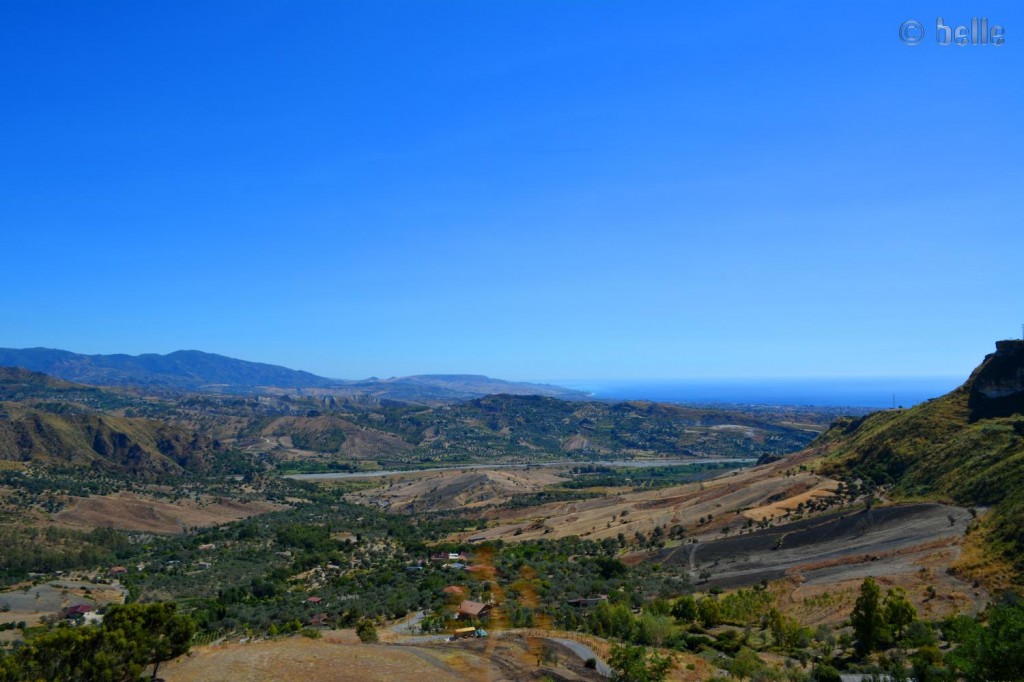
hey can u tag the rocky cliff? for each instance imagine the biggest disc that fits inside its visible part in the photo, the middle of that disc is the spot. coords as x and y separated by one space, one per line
997 385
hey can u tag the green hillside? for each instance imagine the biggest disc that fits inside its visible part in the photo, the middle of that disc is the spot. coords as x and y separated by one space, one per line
535 427
140 447
967 447
43 419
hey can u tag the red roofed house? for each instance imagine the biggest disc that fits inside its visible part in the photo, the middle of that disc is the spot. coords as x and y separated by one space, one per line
79 611
473 609
455 590
315 600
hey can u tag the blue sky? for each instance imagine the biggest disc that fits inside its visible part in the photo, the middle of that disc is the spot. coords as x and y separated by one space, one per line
556 189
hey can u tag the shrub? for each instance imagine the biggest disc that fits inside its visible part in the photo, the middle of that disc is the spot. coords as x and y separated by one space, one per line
366 631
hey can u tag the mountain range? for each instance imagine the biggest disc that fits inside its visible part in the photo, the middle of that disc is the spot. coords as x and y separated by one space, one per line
191 370
120 430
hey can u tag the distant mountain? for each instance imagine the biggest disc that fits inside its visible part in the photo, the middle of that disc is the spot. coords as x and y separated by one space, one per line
121 430
966 446
190 370
448 387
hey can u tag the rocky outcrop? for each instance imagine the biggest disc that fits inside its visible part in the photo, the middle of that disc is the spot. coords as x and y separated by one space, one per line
997 385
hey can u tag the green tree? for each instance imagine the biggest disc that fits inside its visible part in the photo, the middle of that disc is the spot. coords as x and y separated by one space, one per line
131 637
366 631
867 616
993 652
685 608
899 613
927 664
826 640
156 631
709 613
635 664
745 664
654 630
825 673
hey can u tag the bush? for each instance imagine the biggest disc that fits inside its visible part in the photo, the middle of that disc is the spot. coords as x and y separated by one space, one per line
825 673
919 634
366 631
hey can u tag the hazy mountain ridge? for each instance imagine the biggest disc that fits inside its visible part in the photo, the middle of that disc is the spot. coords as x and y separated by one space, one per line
52 420
191 370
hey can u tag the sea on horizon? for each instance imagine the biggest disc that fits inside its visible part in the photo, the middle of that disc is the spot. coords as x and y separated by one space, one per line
878 392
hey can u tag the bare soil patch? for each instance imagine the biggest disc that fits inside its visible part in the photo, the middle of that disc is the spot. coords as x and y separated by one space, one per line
445 490
129 511
298 658
845 545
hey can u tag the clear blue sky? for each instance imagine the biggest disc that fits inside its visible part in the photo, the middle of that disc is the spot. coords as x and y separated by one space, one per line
551 189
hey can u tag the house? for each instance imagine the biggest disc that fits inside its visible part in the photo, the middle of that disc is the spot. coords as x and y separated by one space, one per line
117 570
473 609
206 547
315 600
319 620
78 612
455 590
203 565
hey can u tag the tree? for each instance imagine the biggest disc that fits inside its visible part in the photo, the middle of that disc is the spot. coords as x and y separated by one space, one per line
927 664
899 612
867 616
366 631
826 639
634 664
654 630
685 608
745 664
993 652
825 673
130 638
709 612
158 631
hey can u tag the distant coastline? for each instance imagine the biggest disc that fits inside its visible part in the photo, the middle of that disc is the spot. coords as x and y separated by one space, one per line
869 392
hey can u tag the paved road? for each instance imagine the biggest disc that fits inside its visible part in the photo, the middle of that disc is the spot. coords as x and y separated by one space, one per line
584 652
411 626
